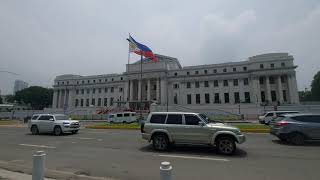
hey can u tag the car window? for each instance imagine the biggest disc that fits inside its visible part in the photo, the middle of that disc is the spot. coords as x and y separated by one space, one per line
126 114
301 118
191 119
45 117
316 119
174 119
34 117
111 116
158 118
133 114
119 115
269 114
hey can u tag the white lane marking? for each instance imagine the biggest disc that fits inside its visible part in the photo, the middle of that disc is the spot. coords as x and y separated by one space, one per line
194 157
99 139
84 138
41 146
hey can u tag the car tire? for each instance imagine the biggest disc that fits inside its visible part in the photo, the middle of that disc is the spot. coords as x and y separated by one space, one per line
57 131
75 131
160 142
297 139
34 130
226 145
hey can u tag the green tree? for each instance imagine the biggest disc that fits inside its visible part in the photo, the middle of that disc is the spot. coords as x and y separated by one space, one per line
37 97
10 98
305 95
315 87
1 100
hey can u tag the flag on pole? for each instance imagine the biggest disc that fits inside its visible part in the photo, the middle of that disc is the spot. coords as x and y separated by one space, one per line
141 49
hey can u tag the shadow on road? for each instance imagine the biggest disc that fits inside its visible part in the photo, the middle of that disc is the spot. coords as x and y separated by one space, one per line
307 143
51 134
195 150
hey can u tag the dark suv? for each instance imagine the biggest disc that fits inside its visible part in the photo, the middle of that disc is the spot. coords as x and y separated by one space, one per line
297 128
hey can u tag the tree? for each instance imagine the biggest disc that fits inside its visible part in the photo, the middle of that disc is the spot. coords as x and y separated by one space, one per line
315 87
10 98
305 95
37 97
1 100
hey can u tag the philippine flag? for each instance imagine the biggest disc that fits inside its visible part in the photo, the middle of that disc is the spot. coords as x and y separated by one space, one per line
141 49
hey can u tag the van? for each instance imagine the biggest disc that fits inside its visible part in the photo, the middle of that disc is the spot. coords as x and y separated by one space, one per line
122 117
268 116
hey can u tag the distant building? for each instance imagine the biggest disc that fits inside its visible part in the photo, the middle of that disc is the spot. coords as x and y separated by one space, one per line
267 78
19 85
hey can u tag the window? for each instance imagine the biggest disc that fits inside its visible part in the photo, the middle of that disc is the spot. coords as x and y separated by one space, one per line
87 102
158 118
225 82
235 82
234 69
226 98
93 90
216 98
77 103
175 99
197 98
272 65
88 91
283 64
121 78
119 115
176 86
189 99
247 97
112 79
105 80
196 72
236 97
245 81
82 82
77 82
105 90
174 119
126 115
93 101
271 80
77 91
283 79
45 118
188 85
215 83
34 117
273 96
284 92
99 90
261 80
244 68
206 84
112 89
224 69
62 82
99 101
197 84
120 89
105 102
111 101
191 119
263 96
261 66
81 102
99 80
188 73
207 98
175 74
154 87
94 81
214 71
88 81
205 71
269 114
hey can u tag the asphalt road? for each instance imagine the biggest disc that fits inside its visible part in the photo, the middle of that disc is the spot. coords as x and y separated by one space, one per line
122 154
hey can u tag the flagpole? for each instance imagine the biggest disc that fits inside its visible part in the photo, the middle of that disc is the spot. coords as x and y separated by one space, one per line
141 85
128 97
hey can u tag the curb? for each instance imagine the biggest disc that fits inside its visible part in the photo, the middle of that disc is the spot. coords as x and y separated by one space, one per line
48 172
255 130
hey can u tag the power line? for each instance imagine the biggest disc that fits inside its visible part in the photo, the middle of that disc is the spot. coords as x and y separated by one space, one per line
10 73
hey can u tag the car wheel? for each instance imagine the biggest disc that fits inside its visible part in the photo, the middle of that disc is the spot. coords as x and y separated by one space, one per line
160 142
297 139
57 131
226 145
75 132
34 130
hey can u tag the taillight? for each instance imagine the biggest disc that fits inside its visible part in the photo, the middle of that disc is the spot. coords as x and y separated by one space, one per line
281 123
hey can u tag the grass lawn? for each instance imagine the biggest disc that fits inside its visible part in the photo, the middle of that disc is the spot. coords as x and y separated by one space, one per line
251 126
8 122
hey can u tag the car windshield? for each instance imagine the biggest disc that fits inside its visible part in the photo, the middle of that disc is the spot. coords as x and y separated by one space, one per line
62 117
205 118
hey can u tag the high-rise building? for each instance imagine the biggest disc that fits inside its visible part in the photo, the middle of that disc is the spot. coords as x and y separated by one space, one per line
19 85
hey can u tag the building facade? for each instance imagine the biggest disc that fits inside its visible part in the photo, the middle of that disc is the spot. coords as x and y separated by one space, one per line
262 79
19 85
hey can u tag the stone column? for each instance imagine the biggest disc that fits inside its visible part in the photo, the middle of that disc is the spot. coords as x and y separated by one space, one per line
139 90
58 99
66 96
163 91
293 89
268 91
131 90
54 99
62 94
149 90
71 103
279 88
256 92
158 90
126 91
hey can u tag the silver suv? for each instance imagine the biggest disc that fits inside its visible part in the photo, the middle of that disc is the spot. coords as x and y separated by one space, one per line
52 123
166 128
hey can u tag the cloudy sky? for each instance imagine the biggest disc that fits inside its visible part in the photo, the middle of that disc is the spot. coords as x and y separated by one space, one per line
40 39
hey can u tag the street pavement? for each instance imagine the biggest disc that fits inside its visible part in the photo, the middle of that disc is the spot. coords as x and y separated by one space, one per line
122 154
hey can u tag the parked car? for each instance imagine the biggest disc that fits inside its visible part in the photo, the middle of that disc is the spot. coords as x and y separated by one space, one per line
53 123
297 128
122 117
167 128
268 116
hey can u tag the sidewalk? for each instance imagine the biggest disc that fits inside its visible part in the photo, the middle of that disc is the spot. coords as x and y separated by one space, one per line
9 175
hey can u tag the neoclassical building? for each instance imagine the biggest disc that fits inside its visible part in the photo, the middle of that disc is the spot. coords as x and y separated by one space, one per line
262 79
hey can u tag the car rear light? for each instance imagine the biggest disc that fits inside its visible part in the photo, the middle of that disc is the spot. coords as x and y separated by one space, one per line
281 123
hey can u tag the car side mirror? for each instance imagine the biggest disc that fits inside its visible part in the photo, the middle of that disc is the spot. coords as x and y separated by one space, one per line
201 123
51 119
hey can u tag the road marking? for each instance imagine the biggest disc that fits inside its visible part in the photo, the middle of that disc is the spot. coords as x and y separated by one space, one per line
41 146
194 157
256 133
84 138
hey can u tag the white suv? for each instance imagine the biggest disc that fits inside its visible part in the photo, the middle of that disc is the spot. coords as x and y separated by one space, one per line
53 123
